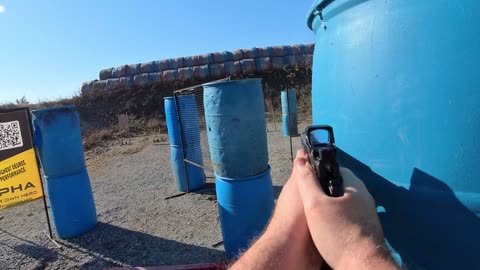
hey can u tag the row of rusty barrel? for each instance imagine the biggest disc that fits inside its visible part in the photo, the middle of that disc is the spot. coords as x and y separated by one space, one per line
202 67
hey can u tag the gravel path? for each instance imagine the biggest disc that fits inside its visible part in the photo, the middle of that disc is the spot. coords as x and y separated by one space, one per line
137 226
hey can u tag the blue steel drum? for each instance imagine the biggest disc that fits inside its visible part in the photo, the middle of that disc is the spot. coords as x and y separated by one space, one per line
235 118
58 140
196 175
289 113
72 204
398 81
245 206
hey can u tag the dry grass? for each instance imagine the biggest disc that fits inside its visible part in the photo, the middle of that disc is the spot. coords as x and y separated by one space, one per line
101 137
98 138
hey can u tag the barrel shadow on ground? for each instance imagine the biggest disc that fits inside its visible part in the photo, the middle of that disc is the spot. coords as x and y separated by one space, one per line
37 252
33 249
207 189
138 249
426 224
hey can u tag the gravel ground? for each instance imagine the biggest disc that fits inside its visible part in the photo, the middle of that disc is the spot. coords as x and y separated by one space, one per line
137 226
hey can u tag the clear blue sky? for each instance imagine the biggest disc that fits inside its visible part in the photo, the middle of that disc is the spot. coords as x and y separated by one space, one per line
48 48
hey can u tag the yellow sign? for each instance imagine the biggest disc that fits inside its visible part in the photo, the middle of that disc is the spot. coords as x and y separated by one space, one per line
19 179
19 176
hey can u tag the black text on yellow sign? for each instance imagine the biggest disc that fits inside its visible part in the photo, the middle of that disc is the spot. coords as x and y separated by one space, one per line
19 179
19 176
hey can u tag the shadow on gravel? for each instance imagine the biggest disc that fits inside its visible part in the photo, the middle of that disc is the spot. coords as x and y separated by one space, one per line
208 189
138 249
37 252
32 249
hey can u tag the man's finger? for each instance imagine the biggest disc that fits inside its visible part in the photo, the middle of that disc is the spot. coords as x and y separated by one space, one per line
307 181
301 158
350 179
302 154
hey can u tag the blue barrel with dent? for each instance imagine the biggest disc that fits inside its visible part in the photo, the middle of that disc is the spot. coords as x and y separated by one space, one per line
235 119
58 141
289 112
189 177
245 206
398 82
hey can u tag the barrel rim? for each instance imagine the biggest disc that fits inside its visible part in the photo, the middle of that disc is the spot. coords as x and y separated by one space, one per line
247 178
65 107
319 5
212 84
168 98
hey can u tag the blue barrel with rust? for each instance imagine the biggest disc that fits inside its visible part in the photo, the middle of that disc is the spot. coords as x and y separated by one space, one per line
58 141
245 206
236 131
398 81
189 176
289 113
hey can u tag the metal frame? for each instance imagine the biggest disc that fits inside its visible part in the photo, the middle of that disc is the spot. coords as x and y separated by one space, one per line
176 93
274 115
181 141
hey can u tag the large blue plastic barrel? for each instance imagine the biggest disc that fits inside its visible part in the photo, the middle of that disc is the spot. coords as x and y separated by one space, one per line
72 204
171 118
289 112
183 171
58 141
245 206
189 177
399 83
235 118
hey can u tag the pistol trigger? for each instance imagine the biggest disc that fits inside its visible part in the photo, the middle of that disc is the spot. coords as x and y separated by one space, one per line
328 167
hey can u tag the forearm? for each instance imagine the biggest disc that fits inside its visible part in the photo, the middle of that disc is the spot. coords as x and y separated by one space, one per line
265 253
280 247
368 256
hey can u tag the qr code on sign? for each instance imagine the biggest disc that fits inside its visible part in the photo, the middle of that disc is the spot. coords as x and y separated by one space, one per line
10 135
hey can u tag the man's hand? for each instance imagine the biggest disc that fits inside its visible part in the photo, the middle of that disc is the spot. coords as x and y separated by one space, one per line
289 220
346 230
286 243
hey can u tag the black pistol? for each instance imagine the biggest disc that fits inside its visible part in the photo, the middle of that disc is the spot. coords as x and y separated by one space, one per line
319 142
